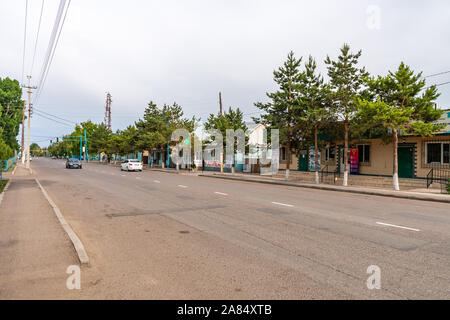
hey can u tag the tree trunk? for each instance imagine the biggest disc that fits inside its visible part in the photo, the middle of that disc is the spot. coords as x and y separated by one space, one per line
288 156
345 182
316 157
395 163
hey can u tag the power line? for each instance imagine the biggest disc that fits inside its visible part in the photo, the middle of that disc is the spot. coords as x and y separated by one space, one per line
437 74
437 85
24 39
54 50
37 37
52 115
41 115
51 47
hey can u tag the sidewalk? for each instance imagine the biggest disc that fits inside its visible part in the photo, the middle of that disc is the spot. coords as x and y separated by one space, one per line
34 249
353 189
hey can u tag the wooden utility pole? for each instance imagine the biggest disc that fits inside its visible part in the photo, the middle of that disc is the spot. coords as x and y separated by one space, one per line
221 154
22 154
29 120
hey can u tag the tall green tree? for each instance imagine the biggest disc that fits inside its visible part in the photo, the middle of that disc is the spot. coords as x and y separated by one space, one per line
401 105
158 124
346 81
11 107
314 97
283 109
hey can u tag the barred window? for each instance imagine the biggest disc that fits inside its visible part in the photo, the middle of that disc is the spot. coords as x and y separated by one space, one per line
437 152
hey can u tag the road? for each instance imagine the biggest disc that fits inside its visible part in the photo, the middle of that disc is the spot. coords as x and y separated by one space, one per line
155 235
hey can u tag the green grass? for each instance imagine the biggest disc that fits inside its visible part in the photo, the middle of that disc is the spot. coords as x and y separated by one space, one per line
3 184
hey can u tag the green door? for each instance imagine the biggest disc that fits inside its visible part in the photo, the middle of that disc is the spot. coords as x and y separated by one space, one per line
303 160
406 162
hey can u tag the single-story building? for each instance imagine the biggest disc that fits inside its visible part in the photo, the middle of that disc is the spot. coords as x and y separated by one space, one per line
416 155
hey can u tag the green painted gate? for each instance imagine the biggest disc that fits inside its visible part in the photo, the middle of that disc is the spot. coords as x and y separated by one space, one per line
406 162
303 161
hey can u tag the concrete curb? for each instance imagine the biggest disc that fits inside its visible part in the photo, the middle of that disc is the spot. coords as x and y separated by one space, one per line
4 190
79 248
14 171
380 193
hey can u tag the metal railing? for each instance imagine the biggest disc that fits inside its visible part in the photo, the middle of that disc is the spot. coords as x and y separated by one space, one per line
441 176
430 178
6 165
325 175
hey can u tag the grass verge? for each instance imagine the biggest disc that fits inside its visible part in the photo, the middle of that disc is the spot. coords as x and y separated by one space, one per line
3 184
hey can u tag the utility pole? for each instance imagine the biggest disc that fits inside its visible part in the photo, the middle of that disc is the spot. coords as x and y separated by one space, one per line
108 111
221 154
29 120
23 128
220 102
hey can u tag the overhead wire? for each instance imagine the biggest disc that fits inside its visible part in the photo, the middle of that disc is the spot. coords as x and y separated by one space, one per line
37 38
24 40
54 50
52 115
51 47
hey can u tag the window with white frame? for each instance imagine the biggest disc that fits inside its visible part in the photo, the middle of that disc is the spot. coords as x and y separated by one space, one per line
437 153
364 153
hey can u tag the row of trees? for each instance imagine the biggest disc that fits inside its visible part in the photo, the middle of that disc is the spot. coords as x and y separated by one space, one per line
351 102
152 131
11 107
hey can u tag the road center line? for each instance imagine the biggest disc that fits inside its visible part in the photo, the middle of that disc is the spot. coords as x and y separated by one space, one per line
283 204
221 193
396 226
156 181
181 186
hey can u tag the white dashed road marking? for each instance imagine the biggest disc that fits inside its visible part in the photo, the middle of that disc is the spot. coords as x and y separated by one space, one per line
156 181
282 204
181 186
395 226
221 193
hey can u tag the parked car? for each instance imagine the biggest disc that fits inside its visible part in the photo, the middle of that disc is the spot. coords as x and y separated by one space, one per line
131 165
73 164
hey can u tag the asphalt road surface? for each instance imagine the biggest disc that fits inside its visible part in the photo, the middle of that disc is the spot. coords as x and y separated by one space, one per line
155 235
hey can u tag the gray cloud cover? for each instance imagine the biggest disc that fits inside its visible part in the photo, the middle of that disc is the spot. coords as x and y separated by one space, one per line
186 51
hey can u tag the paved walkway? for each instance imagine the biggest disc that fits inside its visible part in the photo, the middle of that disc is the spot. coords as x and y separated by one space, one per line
34 249
353 189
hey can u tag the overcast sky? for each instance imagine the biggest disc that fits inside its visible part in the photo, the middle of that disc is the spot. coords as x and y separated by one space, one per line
188 51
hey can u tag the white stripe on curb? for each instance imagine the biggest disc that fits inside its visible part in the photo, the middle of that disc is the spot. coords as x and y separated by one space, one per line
79 248
395 226
14 171
4 190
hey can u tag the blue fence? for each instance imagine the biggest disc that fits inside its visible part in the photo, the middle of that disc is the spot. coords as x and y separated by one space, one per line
6 165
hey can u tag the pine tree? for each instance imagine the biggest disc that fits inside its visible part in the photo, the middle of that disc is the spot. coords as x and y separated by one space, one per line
399 106
314 98
346 81
283 110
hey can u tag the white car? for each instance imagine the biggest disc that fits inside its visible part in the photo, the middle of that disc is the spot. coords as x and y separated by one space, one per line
131 165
